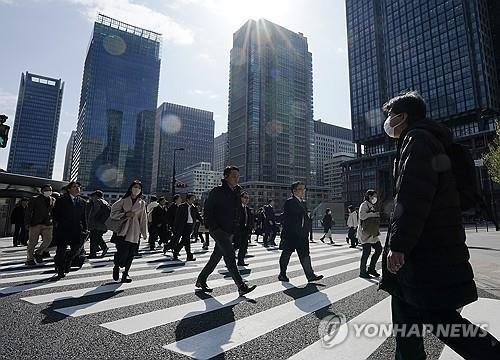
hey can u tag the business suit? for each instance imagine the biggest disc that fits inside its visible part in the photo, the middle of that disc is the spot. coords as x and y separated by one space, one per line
183 228
294 236
244 231
269 226
69 214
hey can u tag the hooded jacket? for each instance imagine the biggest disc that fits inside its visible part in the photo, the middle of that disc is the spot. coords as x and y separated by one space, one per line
426 224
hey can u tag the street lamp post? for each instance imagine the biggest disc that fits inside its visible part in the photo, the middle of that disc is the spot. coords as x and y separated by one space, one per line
173 171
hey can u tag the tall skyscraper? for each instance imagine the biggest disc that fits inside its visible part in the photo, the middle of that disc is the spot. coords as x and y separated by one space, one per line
114 140
220 152
69 156
441 48
329 140
34 137
270 122
179 126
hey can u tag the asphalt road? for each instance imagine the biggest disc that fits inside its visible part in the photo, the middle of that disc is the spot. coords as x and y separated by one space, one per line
160 316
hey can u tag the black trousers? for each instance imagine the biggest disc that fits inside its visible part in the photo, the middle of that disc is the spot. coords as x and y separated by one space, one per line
244 237
20 235
269 234
367 248
153 235
351 235
305 261
96 241
410 344
185 240
206 243
125 252
223 249
63 259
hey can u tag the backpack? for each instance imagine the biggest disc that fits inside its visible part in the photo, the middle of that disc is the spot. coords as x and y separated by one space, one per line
103 213
464 170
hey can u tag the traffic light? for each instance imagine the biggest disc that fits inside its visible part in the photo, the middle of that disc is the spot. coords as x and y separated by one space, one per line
4 131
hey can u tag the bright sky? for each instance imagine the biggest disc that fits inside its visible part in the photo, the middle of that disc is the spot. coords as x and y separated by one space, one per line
50 37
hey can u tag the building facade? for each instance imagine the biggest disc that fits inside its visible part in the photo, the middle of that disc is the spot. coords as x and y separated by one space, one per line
333 177
329 140
270 119
199 179
176 127
442 48
116 118
220 152
34 137
69 156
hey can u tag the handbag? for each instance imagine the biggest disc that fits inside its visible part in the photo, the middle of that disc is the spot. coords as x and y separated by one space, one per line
115 225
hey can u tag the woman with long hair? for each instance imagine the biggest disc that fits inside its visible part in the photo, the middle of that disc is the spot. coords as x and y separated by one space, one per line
327 223
131 208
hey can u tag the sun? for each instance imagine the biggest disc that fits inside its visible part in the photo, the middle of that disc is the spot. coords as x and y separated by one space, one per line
239 11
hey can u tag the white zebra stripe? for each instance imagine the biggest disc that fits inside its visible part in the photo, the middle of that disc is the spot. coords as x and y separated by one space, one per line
483 311
352 347
223 338
171 278
149 320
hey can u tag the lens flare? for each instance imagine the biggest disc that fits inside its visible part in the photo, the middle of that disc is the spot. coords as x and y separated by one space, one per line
171 124
114 45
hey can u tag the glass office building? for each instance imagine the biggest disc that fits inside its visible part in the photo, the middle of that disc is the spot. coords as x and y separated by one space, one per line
34 137
114 140
441 48
270 121
179 126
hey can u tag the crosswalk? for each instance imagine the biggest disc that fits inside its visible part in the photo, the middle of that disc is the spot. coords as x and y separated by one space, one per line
161 303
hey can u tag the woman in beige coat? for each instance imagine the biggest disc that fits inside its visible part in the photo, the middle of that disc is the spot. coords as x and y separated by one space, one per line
368 234
132 209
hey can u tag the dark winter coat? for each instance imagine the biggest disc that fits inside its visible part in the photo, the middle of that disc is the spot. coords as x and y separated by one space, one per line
92 211
171 211
17 215
295 233
221 208
181 217
327 222
70 218
39 211
426 224
270 217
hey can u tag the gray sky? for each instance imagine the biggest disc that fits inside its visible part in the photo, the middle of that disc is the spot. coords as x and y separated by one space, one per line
50 37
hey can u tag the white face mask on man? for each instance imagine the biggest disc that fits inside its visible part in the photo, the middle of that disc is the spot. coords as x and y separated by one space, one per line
374 200
391 129
47 193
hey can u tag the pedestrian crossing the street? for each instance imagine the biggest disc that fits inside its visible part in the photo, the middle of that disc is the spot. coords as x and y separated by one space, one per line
161 305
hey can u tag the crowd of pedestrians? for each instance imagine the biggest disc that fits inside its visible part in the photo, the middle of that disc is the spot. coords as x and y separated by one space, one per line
425 262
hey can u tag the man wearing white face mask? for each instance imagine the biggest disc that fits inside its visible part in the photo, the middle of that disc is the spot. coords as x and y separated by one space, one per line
425 266
368 232
39 220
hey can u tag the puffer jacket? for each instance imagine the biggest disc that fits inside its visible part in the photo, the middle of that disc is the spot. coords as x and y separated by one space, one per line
426 224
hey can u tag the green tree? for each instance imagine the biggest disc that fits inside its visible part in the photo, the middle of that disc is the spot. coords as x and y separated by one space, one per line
491 158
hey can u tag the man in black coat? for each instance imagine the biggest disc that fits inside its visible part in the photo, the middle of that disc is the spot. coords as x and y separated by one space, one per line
187 214
294 235
269 224
17 218
426 265
159 222
171 211
245 227
69 213
221 214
